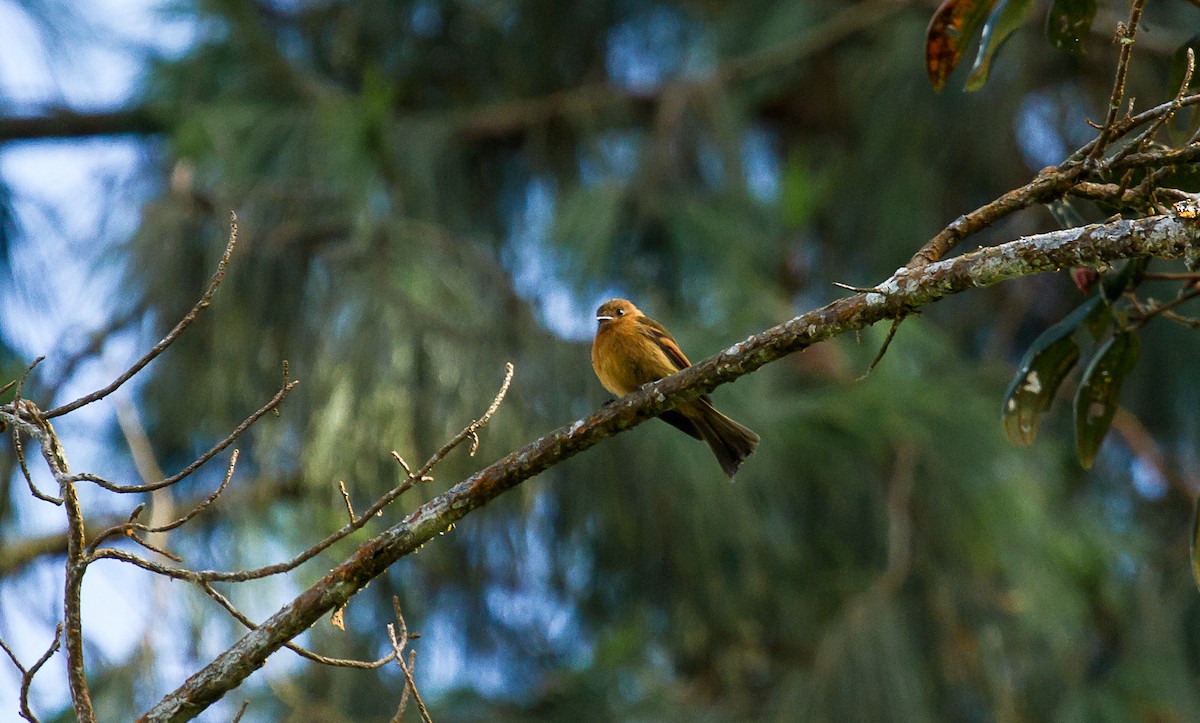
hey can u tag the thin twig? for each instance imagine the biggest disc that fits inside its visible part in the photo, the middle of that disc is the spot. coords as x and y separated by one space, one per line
302 652
18 407
471 430
407 470
1125 36
1143 139
19 449
77 561
855 289
130 525
346 499
398 644
404 695
167 340
1187 321
28 673
887 342
207 576
300 559
154 548
123 528
202 505
241 711
1143 317
217 448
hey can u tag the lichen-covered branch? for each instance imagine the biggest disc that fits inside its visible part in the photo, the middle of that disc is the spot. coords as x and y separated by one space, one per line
907 289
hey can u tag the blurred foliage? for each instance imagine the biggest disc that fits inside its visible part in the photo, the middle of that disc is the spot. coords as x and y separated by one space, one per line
429 189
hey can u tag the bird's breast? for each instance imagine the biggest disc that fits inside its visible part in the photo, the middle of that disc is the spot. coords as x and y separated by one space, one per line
624 359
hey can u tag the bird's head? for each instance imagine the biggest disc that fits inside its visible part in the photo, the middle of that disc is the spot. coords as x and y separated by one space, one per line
615 309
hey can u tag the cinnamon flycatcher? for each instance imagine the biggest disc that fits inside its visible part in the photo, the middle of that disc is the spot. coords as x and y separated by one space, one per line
631 349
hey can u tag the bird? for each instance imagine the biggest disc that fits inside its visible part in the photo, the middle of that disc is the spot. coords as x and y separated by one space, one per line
631 349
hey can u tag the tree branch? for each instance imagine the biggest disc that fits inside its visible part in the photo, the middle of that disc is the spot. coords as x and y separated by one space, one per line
908 288
64 123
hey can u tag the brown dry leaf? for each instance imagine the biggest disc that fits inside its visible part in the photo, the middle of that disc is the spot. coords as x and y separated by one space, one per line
950 30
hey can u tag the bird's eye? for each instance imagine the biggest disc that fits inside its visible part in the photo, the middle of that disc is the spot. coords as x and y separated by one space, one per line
620 312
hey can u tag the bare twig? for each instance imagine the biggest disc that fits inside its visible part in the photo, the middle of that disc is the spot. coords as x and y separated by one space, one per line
242 710
1145 138
301 651
472 429
153 548
19 449
202 505
855 289
28 673
167 340
129 526
1125 36
412 662
122 528
217 448
1188 321
1142 317
398 643
268 570
887 342
407 470
18 407
346 499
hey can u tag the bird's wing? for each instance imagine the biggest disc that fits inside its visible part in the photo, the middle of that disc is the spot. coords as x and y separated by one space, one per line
660 336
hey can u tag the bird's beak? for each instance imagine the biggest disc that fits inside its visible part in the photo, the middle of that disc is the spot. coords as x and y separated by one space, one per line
605 318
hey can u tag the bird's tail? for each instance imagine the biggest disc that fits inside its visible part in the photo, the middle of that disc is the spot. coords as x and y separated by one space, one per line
729 441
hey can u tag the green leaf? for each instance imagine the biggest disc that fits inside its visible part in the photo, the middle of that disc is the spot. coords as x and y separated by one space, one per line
950 29
1045 364
1068 23
1096 400
1007 17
